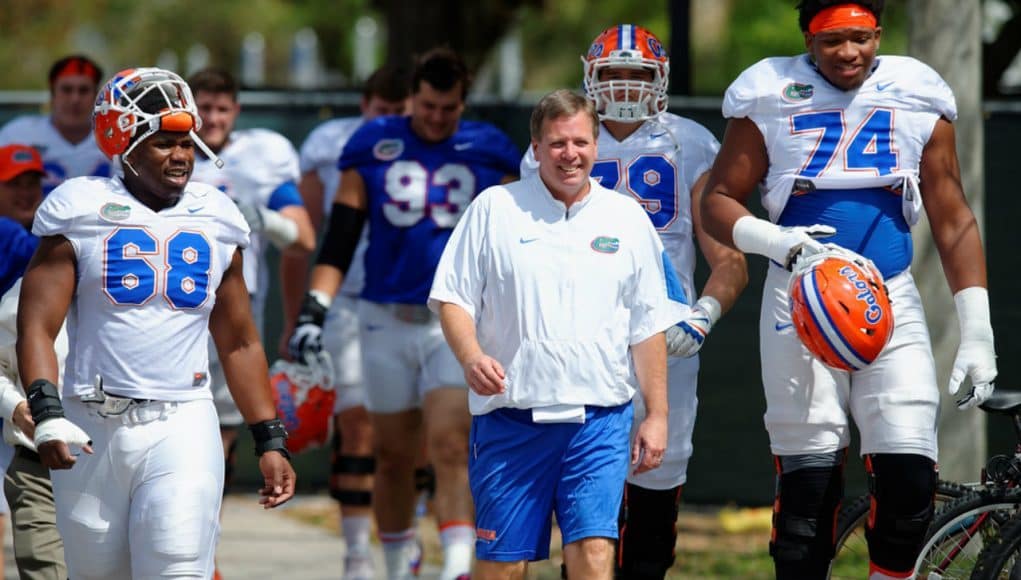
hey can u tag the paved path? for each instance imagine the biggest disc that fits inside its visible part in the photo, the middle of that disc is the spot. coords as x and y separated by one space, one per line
257 544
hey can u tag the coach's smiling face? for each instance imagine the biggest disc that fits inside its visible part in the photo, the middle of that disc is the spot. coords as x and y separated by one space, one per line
566 152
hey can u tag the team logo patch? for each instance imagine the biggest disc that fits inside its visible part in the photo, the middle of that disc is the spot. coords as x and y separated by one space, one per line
21 157
198 379
606 245
596 49
388 149
798 92
655 47
115 212
873 312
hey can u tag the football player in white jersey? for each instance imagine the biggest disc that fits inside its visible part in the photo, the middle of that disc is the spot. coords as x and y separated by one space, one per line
64 137
851 146
260 173
661 160
144 268
352 465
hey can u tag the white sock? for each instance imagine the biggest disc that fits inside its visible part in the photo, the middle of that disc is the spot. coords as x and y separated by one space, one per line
458 539
356 531
397 548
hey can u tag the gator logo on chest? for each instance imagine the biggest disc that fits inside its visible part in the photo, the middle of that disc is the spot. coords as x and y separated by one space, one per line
797 92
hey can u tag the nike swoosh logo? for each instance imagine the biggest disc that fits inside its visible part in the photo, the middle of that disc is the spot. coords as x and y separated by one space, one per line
372 327
527 240
883 87
462 146
782 327
657 135
195 209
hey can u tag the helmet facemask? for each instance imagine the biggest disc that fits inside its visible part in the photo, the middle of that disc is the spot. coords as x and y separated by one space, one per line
138 103
628 101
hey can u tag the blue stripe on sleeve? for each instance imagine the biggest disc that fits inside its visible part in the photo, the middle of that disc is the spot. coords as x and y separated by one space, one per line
674 290
284 195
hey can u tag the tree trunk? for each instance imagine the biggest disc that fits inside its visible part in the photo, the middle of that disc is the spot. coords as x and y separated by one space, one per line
946 35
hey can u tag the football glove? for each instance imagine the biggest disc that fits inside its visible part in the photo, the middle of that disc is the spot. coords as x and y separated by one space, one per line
975 355
783 245
686 337
307 340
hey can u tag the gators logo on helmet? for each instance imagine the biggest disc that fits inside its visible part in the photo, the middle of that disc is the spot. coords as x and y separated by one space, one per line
631 99
840 309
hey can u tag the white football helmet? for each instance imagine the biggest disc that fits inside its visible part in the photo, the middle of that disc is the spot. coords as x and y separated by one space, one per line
138 102
631 47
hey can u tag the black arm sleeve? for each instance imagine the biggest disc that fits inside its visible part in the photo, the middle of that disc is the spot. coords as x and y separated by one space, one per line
342 235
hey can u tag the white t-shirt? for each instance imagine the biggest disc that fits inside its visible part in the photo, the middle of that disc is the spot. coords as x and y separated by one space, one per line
657 166
558 296
146 285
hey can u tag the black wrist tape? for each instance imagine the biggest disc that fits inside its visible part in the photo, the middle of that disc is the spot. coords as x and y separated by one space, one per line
311 312
270 436
44 401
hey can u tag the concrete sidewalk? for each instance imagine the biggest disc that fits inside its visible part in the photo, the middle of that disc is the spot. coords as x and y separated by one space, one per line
258 544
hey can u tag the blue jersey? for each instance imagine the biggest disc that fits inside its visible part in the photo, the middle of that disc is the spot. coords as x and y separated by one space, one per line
416 192
17 246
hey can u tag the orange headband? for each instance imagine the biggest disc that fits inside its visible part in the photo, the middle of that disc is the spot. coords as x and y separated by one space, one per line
842 16
78 66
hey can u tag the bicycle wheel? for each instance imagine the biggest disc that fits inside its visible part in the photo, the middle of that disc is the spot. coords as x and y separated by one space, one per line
961 530
1002 557
851 558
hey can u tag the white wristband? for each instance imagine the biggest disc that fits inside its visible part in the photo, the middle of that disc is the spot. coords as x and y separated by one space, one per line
758 236
280 231
711 306
973 314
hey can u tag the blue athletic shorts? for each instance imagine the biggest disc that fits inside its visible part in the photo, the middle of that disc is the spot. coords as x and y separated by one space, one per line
522 472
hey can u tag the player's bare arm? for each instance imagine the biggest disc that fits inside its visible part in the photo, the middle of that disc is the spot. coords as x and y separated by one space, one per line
294 265
739 166
483 373
650 369
46 293
338 248
954 228
244 364
729 269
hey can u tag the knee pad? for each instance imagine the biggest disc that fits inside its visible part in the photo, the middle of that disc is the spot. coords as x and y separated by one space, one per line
425 480
902 487
808 493
351 465
648 532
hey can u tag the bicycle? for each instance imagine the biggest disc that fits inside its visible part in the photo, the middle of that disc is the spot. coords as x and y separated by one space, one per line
969 517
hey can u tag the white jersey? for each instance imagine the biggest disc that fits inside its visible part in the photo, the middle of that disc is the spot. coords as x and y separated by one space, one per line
657 165
62 160
869 137
146 284
558 295
320 153
256 163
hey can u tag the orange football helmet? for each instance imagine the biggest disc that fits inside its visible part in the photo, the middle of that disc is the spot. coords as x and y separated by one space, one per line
627 46
304 397
138 102
840 308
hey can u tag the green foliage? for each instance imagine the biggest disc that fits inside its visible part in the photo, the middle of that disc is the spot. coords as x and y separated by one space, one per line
123 33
